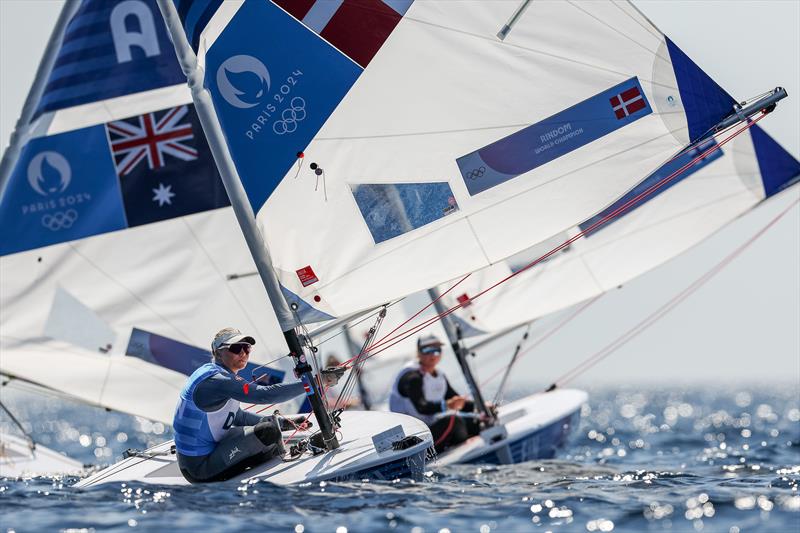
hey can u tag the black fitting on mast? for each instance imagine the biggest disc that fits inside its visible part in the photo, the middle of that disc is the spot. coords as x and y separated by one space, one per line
461 356
454 336
742 112
315 398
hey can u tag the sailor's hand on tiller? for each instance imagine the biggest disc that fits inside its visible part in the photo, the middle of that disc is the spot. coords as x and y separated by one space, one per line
456 403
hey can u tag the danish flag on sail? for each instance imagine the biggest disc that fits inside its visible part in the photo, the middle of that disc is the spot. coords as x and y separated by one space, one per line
627 102
358 28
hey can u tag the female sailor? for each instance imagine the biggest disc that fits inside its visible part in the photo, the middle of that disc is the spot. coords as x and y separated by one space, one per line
215 439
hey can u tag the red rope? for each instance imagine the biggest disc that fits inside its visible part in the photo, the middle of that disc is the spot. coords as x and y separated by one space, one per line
387 342
667 307
544 337
446 431
610 216
385 338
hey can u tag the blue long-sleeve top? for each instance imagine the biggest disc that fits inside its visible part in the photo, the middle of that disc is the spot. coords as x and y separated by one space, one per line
212 393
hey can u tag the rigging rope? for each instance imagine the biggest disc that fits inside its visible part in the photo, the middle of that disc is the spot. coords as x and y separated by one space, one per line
28 437
498 395
389 340
667 307
544 337
352 379
359 321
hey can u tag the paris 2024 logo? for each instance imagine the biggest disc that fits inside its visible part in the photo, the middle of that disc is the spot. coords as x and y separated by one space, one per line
244 82
50 175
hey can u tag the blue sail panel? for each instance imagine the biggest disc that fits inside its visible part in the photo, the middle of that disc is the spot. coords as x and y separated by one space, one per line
306 312
63 188
185 358
109 177
779 169
194 15
272 93
110 49
554 137
661 173
705 102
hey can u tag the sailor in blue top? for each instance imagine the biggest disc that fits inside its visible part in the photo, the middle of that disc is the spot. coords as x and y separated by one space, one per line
215 440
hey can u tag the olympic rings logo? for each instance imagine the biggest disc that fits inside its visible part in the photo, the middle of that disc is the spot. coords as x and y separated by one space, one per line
476 173
60 220
290 117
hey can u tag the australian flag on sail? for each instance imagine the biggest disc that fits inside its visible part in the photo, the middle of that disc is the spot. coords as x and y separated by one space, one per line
164 165
109 177
123 169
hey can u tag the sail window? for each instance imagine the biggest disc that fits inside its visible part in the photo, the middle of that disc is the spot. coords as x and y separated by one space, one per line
393 209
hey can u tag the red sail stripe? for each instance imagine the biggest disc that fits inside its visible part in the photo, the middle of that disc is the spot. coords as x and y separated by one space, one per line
296 8
358 28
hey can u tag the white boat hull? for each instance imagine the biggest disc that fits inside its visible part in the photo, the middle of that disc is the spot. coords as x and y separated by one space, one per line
17 459
356 458
534 427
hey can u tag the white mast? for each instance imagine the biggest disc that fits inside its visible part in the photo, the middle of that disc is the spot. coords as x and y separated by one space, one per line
244 214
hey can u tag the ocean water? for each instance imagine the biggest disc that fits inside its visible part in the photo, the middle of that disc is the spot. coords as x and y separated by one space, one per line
641 460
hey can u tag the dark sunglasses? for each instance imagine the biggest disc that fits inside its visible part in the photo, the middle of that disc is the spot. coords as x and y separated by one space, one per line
238 347
430 350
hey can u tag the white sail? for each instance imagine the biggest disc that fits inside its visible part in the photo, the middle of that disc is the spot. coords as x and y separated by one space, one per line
121 383
491 145
716 191
167 273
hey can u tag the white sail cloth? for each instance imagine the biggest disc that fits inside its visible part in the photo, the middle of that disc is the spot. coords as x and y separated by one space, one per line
124 384
168 278
113 70
651 234
441 89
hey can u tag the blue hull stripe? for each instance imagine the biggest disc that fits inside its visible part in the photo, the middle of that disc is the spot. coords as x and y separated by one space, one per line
541 444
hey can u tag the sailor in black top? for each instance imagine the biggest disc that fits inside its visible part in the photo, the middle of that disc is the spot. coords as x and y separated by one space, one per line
422 391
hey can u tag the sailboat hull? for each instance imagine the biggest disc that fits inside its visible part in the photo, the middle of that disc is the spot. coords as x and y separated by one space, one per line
18 460
534 427
356 458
